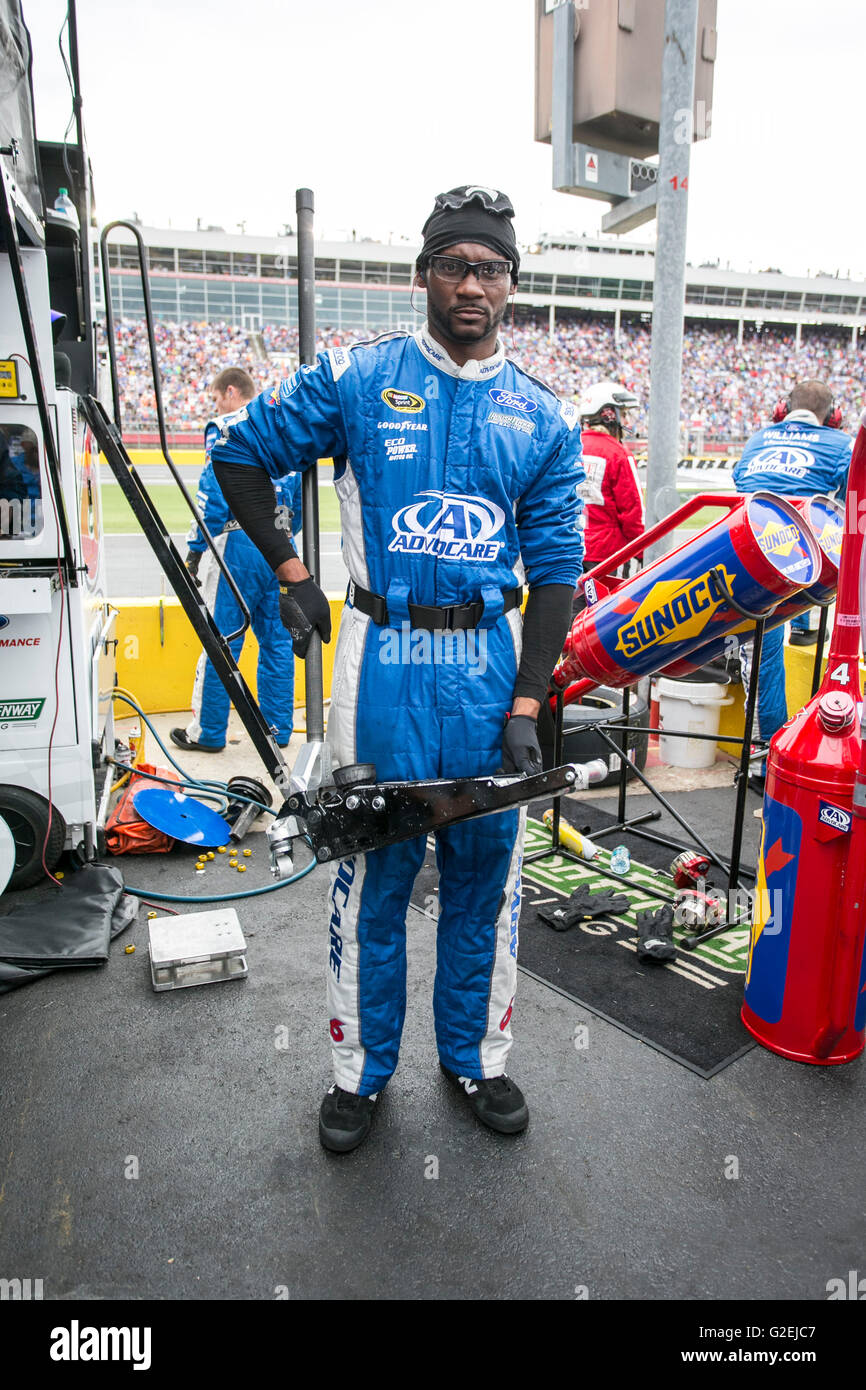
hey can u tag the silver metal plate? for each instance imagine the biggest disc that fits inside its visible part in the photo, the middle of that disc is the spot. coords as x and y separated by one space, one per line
197 948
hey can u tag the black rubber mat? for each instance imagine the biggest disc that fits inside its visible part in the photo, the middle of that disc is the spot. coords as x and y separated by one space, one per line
687 1009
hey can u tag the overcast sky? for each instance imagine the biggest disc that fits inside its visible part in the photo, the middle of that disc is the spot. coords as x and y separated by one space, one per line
220 110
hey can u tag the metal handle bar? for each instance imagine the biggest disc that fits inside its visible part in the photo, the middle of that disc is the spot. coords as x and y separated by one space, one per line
157 392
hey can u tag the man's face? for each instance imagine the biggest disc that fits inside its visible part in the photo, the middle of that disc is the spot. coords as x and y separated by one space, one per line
225 401
470 311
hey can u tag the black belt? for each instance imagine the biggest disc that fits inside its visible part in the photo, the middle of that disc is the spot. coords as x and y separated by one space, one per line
464 615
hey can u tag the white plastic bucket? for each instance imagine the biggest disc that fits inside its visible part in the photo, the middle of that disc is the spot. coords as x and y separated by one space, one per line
694 707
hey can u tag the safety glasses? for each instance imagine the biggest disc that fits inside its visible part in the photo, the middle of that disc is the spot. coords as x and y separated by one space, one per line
453 270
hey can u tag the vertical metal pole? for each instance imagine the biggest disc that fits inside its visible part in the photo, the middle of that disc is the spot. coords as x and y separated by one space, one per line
819 652
551 323
313 684
745 755
678 90
562 96
557 761
76 87
623 755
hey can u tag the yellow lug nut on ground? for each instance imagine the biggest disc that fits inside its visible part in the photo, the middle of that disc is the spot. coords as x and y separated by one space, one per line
210 854
242 868
247 853
129 950
221 849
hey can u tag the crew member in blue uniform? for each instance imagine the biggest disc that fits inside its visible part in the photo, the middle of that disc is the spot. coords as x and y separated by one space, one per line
457 476
275 680
804 452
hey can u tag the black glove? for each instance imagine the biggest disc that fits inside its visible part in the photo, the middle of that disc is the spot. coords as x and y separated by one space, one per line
192 562
303 611
655 934
584 906
520 750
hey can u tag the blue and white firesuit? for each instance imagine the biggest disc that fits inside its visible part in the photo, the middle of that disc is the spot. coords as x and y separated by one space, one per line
275 677
796 458
451 479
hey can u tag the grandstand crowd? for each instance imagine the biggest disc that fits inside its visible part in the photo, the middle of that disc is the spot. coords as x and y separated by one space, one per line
728 390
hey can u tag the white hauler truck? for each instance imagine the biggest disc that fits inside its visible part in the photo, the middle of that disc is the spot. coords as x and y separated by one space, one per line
56 644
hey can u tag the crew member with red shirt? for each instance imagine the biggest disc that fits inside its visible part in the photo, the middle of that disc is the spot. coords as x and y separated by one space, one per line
611 493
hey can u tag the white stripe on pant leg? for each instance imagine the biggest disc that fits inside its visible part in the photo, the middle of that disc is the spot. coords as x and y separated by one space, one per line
193 728
347 876
345 684
209 578
344 905
496 1043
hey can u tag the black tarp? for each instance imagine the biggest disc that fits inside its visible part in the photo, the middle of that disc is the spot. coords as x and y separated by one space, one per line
64 928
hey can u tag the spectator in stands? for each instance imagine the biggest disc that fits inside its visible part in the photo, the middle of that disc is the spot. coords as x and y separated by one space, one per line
255 580
802 454
730 386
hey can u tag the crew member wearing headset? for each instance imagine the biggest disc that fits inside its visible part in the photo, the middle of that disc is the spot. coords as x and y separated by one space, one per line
802 453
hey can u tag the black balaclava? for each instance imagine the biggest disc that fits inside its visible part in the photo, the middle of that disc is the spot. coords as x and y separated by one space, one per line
474 214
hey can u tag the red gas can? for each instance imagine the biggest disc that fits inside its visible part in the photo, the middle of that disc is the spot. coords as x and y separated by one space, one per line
806 975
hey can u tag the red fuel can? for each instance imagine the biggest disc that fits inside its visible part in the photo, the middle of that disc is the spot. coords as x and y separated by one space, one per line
805 994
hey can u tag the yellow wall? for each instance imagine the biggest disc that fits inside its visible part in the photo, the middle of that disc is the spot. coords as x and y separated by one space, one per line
159 673
184 458
799 662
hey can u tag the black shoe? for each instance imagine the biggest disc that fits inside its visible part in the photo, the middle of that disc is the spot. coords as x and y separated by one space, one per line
655 934
801 637
757 783
344 1119
181 739
497 1102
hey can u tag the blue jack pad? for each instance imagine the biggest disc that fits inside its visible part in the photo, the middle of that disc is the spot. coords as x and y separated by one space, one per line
181 816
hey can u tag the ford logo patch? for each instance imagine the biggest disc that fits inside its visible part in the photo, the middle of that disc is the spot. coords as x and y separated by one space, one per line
512 400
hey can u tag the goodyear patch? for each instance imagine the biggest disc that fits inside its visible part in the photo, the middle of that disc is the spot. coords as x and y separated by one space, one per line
674 610
404 401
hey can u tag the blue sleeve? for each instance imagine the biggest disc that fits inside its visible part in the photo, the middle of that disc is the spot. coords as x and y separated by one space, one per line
214 509
288 426
549 511
845 453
